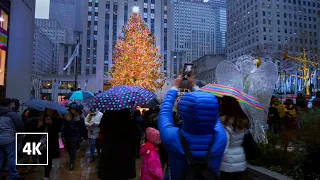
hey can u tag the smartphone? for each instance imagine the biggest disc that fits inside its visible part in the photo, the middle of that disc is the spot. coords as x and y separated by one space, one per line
187 69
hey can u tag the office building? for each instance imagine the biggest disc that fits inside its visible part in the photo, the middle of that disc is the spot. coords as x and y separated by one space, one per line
69 15
103 25
42 53
268 28
220 20
205 67
20 49
193 31
58 35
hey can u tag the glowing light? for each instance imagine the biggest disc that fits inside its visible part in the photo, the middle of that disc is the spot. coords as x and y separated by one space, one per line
205 1
1 19
136 58
135 9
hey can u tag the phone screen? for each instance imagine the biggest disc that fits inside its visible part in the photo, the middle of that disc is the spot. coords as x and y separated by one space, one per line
187 69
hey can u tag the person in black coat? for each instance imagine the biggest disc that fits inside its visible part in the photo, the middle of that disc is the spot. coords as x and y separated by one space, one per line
50 122
118 146
31 119
139 130
73 131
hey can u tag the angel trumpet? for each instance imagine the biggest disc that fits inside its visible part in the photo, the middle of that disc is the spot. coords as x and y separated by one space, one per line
286 55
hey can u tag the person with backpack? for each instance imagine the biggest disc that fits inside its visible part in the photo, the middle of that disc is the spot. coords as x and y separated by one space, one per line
235 121
195 151
10 123
151 166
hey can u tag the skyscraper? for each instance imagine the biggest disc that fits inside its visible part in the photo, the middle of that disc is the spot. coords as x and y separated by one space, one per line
43 49
194 32
58 35
271 27
64 11
220 18
103 22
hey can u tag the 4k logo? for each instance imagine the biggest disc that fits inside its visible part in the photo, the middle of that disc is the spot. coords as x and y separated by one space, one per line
32 148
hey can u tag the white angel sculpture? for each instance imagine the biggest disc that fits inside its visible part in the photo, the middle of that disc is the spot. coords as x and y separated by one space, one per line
257 80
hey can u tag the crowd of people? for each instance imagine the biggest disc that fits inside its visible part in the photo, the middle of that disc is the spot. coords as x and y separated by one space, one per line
284 116
203 139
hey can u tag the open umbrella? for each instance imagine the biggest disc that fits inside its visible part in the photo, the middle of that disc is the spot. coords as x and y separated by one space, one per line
221 90
63 103
152 104
41 105
81 95
121 97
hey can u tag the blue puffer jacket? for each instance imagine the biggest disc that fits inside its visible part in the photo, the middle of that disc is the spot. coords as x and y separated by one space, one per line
199 112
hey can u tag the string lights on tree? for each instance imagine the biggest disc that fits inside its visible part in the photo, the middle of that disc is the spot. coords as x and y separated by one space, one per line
136 58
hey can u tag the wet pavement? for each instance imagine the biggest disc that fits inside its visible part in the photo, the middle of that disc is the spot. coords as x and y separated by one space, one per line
84 170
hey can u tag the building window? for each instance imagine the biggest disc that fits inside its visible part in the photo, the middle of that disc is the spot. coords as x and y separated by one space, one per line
115 8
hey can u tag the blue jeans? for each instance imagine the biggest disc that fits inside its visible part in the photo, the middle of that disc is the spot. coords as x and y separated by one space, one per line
9 151
92 146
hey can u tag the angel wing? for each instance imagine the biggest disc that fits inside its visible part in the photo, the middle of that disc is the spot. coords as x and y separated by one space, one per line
261 85
229 75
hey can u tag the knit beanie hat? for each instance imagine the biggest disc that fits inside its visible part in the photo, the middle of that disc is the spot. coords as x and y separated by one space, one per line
152 135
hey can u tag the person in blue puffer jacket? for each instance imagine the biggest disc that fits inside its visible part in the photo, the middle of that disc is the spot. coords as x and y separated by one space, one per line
200 120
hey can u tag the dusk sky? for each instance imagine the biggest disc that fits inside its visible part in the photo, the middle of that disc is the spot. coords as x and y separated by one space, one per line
42 9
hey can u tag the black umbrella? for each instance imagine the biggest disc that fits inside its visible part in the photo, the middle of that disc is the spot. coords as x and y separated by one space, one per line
152 104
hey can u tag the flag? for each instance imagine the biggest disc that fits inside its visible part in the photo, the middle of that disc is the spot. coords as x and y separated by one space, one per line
74 55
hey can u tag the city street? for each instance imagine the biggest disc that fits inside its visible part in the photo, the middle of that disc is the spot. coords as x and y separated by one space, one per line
84 170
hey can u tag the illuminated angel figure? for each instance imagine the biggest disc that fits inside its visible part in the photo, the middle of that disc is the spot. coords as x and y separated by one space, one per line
254 78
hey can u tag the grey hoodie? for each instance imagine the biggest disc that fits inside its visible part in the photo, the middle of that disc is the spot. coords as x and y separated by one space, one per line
10 123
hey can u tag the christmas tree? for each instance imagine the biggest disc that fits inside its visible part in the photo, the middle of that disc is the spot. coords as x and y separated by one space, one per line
136 57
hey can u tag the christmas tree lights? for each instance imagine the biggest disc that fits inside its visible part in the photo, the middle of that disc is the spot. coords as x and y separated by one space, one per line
136 58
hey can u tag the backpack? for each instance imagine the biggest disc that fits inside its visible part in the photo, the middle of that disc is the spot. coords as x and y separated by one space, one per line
197 170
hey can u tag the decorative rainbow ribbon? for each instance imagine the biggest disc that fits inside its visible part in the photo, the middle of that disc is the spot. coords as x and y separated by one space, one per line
221 90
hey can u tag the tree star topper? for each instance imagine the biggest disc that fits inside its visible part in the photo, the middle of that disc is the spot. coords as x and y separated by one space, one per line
135 9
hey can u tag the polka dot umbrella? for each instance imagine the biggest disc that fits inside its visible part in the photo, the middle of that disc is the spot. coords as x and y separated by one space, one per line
121 97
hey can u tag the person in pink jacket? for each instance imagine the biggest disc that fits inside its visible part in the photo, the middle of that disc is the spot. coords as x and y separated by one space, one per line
151 166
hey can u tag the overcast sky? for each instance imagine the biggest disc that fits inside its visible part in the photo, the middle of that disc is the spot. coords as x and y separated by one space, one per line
42 9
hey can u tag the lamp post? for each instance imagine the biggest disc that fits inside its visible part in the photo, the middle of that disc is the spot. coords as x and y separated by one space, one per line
76 71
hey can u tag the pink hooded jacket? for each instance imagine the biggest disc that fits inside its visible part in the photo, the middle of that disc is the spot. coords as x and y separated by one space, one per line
151 166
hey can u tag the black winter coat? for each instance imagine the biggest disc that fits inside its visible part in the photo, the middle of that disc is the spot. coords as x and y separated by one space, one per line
31 125
73 130
118 146
53 138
